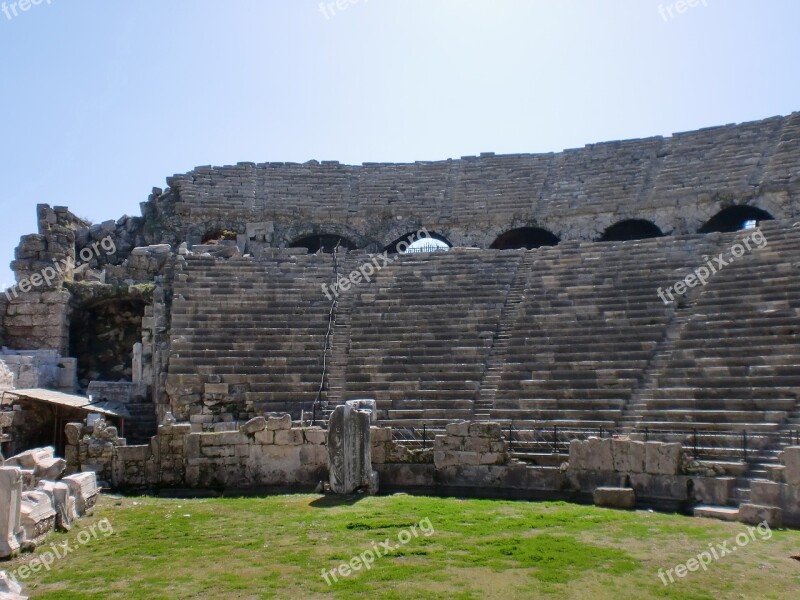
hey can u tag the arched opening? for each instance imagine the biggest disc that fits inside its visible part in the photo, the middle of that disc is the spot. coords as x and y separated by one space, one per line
102 336
735 218
419 241
632 229
219 235
325 242
525 237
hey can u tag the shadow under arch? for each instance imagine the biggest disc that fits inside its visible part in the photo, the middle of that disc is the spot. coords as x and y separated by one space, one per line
734 218
631 229
402 243
528 238
326 242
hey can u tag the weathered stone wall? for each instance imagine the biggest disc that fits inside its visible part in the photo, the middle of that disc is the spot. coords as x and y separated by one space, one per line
678 183
25 369
470 444
264 452
652 469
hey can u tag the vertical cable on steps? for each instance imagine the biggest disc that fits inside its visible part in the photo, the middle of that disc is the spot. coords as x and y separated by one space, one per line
328 334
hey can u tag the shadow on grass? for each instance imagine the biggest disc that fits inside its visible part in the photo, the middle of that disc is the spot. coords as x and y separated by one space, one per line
334 501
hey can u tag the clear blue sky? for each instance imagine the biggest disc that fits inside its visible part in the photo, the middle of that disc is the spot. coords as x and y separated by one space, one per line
100 101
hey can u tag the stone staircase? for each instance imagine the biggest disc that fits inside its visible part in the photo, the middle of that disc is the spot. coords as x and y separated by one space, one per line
422 331
494 365
586 331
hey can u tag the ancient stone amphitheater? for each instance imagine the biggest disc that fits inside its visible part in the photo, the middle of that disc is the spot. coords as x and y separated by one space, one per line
569 306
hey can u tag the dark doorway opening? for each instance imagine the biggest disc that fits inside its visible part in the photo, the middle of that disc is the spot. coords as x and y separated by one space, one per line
525 237
325 242
102 336
735 218
632 229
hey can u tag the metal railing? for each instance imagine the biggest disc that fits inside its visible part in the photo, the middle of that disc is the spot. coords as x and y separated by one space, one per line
426 248
700 444
416 438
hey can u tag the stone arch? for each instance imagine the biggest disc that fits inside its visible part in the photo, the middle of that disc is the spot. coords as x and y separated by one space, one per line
631 229
289 235
409 238
734 218
525 237
326 242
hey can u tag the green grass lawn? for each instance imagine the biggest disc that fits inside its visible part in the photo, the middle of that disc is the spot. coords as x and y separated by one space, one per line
279 546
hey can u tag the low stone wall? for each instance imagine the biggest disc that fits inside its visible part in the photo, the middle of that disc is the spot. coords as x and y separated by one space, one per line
385 450
264 452
470 444
654 470
782 492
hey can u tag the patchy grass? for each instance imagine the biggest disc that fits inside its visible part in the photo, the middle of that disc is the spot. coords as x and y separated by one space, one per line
279 546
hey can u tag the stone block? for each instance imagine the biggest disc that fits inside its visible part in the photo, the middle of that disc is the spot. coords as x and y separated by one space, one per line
485 430
599 455
615 497
791 459
754 514
254 425
10 589
381 434
72 432
637 454
620 455
663 459
231 438
63 503
315 436
578 455
10 501
37 515
84 487
133 453
279 423
216 389
459 428
265 437
289 437
766 493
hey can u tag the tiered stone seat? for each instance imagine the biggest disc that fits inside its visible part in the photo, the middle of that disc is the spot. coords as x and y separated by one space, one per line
259 325
736 364
421 333
588 327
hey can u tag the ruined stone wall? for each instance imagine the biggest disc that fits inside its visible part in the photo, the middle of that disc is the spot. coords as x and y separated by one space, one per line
678 183
264 452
